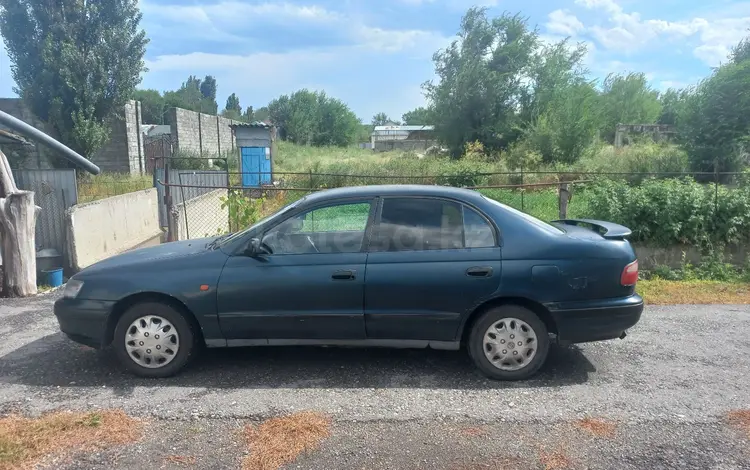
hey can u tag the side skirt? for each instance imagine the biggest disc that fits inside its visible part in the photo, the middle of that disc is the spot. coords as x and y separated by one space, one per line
363 343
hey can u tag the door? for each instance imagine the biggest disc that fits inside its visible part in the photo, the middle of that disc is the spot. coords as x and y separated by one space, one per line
431 261
254 166
309 285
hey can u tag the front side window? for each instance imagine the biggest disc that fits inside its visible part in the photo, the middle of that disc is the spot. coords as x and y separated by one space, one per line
338 228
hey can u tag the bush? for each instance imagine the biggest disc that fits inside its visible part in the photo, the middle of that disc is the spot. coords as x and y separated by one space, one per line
671 211
644 157
243 211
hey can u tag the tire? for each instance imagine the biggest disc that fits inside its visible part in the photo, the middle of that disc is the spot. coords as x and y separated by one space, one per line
509 367
155 318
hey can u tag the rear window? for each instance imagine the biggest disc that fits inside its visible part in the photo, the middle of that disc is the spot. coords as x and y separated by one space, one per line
529 218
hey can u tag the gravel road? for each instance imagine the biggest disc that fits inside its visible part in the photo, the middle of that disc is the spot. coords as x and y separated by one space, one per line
667 387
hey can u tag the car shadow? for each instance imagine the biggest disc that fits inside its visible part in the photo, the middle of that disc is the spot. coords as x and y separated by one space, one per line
54 361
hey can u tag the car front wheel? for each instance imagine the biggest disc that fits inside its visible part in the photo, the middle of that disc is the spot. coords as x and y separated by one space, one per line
153 340
509 343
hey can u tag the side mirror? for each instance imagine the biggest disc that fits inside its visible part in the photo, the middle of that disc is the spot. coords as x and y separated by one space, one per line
253 248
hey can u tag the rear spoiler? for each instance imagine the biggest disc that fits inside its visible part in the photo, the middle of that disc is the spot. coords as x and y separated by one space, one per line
608 230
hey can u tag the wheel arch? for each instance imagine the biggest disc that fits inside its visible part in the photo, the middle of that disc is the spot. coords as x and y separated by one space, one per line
539 309
122 306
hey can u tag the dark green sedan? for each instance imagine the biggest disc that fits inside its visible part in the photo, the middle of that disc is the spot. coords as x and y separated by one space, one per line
389 266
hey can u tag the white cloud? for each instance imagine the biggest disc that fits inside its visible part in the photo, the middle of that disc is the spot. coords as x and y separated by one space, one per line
212 21
563 22
628 33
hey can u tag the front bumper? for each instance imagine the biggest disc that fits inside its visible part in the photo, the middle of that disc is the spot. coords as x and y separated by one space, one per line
84 321
595 320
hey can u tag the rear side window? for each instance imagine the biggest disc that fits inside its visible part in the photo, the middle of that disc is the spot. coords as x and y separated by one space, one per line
477 231
417 224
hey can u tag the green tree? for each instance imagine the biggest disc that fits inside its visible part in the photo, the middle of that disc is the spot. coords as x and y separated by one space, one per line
248 116
381 119
671 103
189 96
567 125
741 52
261 114
418 117
558 107
713 122
208 87
152 106
481 81
627 99
313 118
75 63
233 104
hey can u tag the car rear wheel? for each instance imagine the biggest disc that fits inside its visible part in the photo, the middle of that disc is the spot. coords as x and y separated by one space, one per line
508 343
153 340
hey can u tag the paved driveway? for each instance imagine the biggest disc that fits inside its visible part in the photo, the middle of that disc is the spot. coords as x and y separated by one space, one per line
667 387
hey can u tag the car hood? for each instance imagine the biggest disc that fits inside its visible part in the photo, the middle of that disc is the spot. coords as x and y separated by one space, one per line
163 251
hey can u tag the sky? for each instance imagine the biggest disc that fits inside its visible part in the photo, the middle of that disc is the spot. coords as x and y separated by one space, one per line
375 54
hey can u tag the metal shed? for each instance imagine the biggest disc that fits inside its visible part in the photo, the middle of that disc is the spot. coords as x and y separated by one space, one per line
256 143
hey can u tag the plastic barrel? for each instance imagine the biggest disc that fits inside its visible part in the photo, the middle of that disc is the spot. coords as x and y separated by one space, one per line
54 277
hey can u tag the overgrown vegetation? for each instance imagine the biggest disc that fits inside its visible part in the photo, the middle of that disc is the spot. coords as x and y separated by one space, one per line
92 188
673 211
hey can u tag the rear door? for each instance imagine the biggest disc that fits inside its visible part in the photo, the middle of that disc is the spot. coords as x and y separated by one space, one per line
431 261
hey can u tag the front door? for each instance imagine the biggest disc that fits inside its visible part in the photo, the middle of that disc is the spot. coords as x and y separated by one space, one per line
310 284
431 261
256 166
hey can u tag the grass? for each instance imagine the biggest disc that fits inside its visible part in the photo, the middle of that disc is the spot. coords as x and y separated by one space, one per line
663 292
107 185
24 442
279 441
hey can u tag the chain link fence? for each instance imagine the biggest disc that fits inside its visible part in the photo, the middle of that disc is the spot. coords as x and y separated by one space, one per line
691 208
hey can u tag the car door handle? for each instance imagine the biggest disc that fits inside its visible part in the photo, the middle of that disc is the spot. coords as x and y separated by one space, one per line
479 271
344 275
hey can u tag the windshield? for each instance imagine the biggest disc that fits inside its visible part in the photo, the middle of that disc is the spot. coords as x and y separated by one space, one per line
233 236
527 217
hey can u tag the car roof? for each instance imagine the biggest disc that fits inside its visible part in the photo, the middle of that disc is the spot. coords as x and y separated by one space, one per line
394 190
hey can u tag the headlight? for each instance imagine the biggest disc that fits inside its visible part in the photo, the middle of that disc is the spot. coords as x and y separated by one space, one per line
72 288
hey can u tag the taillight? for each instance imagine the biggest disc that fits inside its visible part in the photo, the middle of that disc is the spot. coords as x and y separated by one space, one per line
630 274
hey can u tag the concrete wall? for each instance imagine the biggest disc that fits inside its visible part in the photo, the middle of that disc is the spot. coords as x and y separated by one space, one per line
672 256
201 217
405 145
124 152
203 134
103 228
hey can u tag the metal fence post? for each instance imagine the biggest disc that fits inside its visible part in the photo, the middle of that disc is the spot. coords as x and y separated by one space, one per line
171 235
564 198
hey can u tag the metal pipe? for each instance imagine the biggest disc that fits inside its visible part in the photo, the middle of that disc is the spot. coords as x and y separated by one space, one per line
35 134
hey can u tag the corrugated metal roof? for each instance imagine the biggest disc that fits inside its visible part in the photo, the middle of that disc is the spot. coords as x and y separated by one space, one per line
254 124
404 128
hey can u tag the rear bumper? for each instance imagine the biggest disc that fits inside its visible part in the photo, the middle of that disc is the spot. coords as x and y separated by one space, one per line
84 321
597 320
